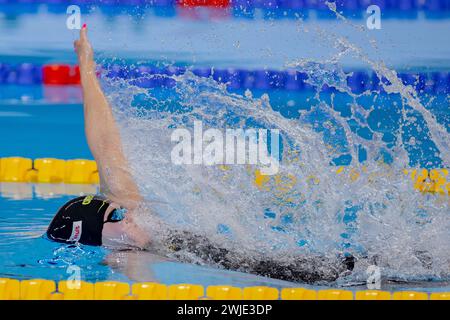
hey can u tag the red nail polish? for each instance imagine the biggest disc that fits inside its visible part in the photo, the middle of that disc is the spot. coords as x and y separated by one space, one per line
84 26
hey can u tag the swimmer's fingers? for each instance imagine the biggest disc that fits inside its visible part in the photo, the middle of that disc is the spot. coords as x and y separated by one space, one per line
83 34
84 50
76 45
83 38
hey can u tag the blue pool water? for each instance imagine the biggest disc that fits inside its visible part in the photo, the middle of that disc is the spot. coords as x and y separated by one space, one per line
38 121
56 130
41 128
23 222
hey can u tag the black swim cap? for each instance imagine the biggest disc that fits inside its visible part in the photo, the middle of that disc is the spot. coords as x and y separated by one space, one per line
80 220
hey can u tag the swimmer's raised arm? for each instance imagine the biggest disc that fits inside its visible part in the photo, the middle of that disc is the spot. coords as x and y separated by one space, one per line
102 133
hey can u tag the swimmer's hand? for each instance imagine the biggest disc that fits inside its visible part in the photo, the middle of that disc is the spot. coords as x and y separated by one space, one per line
84 52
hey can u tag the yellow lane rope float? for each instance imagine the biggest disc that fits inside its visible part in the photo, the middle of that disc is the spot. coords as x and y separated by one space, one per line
81 171
39 289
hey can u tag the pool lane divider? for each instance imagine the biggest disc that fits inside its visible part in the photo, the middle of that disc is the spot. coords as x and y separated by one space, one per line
39 289
204 3
401 6
81 171
48 170
146 76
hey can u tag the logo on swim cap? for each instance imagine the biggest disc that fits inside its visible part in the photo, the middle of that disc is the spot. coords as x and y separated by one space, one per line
76 231
87 200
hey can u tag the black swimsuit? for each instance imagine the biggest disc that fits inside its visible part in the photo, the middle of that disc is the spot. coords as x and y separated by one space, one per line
309 269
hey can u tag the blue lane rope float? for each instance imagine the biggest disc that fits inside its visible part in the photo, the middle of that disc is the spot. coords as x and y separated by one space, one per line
399 5
245 9
21 74
146 76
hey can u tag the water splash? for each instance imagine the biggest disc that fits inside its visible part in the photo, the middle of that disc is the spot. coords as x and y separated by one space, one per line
368 210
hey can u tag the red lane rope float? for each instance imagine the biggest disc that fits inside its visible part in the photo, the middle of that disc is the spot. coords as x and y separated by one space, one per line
60 74
204 3
74 75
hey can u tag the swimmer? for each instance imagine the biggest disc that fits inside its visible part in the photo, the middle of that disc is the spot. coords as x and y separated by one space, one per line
110 218
96 220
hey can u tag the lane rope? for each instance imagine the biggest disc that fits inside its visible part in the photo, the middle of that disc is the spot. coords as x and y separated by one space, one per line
147 76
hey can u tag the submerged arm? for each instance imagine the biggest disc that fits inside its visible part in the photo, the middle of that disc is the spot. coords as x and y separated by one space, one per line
103 134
